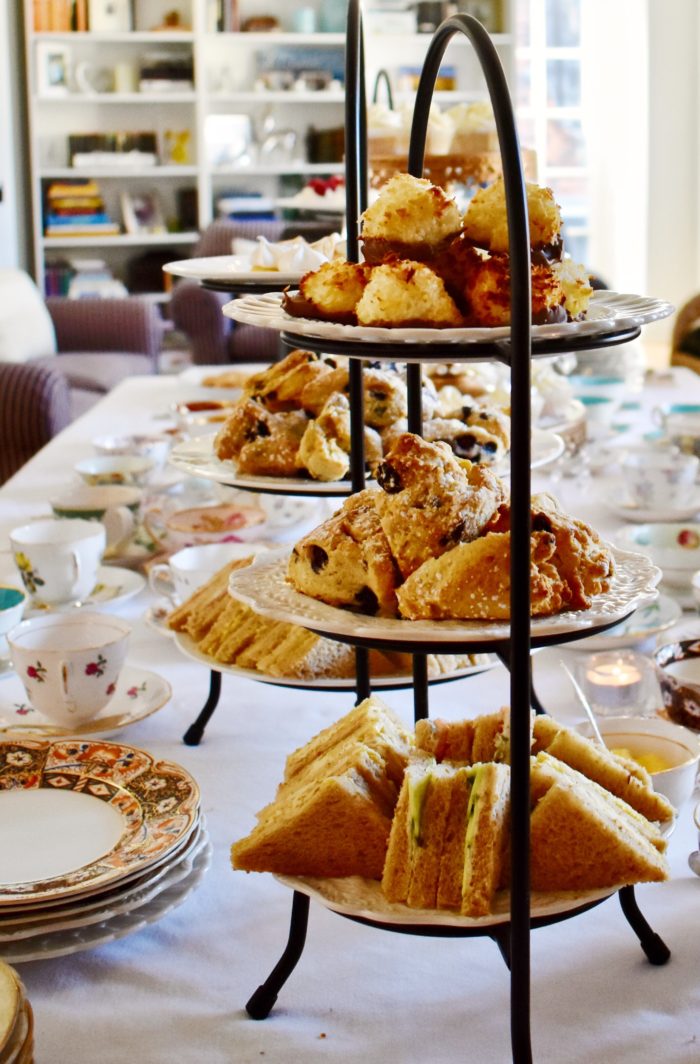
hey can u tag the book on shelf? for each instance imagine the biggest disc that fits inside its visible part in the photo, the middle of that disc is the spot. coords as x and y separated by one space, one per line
83 229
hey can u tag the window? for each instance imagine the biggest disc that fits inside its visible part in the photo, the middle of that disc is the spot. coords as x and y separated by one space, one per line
549 108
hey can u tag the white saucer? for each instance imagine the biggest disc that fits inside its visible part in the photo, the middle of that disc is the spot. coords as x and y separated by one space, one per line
611 493
156 617
139 693
644 623
114 586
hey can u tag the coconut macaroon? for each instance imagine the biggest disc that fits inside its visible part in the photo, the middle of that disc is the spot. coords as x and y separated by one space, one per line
409 294
330 293
411 218
574 281
486 224
488 294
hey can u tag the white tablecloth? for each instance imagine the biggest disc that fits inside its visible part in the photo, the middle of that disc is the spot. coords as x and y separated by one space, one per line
176 990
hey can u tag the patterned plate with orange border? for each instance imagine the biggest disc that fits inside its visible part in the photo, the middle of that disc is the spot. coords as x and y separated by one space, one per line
78 815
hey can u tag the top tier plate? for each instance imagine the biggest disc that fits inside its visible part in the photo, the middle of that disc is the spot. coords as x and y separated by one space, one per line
612 318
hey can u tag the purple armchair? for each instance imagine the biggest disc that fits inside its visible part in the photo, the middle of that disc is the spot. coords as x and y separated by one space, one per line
196 311
93 343
35 404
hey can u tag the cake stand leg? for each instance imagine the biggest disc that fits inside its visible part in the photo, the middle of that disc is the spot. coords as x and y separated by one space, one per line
501 936
263 999
504 657
655 948
193 735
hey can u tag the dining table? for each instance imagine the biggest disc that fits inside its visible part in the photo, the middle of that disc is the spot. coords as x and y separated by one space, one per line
175 990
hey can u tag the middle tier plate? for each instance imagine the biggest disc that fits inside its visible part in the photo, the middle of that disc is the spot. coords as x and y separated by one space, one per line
196 457
263 587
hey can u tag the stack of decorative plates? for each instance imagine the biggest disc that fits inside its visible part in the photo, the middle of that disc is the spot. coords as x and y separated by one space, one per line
16 1020
97 839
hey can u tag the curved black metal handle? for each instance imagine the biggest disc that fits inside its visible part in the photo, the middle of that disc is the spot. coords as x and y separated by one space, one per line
521 347
383 78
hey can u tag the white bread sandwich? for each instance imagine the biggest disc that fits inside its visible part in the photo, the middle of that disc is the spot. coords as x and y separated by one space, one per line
332 813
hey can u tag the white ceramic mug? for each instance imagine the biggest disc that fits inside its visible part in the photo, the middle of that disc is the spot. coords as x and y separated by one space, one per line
192 567
116 506
58 559
69 664
658 479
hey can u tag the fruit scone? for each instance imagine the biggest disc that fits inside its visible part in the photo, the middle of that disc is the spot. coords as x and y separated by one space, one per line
426 266
433 542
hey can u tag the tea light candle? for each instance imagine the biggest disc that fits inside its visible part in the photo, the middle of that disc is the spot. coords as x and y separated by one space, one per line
614 682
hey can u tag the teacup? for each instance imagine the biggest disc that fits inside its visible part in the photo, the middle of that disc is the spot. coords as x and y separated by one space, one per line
69 664
192 567
156 447
657 479
227 523
58 559
129 469
116 506
681 422
600 409
12 603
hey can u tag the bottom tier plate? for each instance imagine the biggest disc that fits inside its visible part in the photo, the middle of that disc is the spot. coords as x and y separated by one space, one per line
363 899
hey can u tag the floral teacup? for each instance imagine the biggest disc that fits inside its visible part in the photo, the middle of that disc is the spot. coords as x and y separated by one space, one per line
69 664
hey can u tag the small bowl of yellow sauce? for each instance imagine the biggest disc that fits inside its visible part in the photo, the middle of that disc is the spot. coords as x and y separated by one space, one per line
668 751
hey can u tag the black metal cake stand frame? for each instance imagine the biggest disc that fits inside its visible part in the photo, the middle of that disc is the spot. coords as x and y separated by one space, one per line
512 936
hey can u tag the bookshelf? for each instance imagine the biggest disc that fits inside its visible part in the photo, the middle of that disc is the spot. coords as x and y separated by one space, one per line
166 68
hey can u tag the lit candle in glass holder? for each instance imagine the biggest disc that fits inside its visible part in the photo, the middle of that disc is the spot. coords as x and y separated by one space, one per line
619 682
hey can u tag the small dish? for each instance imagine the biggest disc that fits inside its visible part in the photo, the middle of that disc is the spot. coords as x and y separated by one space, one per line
653 737
640 627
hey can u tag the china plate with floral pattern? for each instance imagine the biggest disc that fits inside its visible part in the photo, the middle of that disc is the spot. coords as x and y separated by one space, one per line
79 814
139 693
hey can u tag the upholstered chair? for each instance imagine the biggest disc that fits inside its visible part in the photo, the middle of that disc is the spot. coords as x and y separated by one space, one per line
35 404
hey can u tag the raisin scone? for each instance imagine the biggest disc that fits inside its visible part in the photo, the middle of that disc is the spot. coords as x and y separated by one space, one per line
262 443
585 564
384 391
430 500
347 561
472 581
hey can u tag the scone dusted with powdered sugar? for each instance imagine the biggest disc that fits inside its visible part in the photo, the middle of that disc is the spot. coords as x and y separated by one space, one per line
432 542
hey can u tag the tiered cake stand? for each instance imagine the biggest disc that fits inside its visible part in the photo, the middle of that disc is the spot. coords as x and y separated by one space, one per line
262 585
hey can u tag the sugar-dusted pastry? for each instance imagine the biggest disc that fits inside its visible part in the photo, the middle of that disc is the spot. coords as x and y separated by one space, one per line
430 500
472 581
411 218
583 561
330 293
486 223
491 419
472 441
279 386
407 293
347 560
